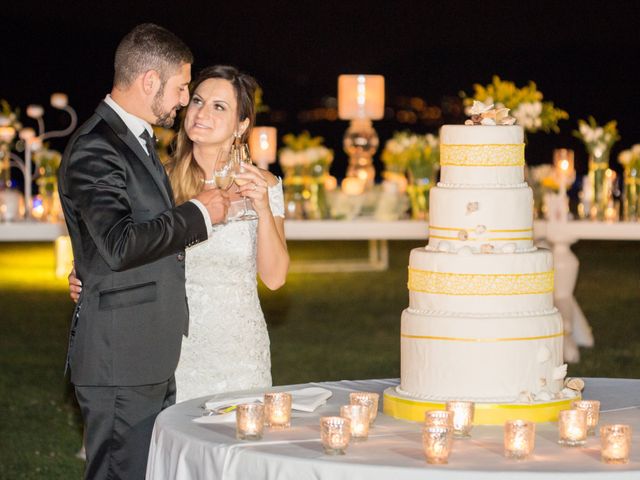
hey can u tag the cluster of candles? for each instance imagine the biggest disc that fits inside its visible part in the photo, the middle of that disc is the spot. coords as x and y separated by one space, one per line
574 425
439 429
274 412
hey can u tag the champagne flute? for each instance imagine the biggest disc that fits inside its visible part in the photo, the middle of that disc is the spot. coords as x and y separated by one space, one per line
241 156
223 170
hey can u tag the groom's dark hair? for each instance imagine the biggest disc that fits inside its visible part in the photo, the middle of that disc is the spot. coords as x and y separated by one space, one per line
149 47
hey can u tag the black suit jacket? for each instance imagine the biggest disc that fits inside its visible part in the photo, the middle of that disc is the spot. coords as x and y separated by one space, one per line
128 244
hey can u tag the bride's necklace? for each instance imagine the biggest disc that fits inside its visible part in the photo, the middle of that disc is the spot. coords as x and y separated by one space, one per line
209 182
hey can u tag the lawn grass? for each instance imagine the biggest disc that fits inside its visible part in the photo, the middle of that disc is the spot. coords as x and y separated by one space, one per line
322 327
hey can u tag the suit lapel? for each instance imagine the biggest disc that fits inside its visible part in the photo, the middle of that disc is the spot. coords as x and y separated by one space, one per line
119 127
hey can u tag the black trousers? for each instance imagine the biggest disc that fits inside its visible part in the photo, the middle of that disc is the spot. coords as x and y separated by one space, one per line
118 423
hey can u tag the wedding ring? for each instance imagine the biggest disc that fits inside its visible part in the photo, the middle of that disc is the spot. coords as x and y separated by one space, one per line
255 187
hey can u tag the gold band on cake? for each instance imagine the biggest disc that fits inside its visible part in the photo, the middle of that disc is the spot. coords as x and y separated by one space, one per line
487 155
467 339
426 281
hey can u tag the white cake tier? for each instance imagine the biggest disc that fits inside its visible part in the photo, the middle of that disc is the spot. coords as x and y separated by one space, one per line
473 217
481 284
482 359
481 155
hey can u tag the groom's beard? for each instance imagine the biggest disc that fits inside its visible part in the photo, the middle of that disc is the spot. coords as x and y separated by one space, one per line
163 119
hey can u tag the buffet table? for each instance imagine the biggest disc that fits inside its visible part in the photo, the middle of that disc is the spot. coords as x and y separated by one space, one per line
184 449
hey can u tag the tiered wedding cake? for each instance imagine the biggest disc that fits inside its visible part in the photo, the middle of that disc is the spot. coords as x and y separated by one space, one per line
481 324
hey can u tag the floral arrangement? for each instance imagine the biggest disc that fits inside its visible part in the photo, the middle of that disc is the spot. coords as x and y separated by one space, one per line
416 154
525 104
630 158
544 177
598 140
305 154
9 123
47 160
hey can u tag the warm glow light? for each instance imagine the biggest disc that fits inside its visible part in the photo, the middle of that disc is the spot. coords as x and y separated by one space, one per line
352 186
59 100
360 96
262 144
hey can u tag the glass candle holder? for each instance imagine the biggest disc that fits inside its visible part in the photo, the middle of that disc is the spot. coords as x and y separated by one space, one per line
277 410
519 438
359 417
249 421
462 417
335 433
368 399
436 442
572 428
616 443
438 418
592 407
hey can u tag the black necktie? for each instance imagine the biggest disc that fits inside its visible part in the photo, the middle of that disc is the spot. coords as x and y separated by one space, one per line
151 148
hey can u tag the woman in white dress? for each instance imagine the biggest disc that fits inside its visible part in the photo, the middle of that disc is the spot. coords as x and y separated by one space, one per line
228 345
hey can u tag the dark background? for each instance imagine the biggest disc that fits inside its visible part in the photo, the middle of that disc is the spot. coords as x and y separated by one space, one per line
582 55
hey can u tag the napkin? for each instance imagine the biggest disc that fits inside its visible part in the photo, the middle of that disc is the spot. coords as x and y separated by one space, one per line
304 400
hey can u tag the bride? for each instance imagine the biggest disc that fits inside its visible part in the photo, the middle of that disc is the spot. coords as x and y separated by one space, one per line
227 348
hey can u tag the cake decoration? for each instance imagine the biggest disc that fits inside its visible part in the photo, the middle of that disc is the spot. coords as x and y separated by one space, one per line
486 248
487 114
472 207
463 235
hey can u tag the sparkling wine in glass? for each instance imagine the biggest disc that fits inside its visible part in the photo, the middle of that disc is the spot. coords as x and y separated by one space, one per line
241 156
223 170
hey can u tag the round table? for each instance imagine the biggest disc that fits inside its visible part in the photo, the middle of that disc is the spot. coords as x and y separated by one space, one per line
183 449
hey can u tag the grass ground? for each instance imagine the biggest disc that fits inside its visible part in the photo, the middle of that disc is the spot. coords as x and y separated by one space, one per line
322 327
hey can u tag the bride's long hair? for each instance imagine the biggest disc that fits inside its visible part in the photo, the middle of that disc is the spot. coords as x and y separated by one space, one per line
186 176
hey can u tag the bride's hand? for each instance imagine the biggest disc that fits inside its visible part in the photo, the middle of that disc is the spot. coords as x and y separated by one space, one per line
256 189
75 285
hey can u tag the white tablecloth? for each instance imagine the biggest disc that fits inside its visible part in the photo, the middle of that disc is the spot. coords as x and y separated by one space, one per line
183 449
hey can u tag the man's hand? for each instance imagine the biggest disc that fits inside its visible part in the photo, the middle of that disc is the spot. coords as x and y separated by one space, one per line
75 285
216 202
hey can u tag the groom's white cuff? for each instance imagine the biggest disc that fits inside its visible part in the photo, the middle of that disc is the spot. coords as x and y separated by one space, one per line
205 214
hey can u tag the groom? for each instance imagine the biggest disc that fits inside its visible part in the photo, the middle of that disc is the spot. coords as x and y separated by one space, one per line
129 243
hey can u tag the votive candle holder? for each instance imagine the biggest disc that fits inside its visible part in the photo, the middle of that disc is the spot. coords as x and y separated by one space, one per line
519 439
437 442
592 407
438 418
359 417
615 441
368 399
249 421
277 410
462 417
335 434
572 428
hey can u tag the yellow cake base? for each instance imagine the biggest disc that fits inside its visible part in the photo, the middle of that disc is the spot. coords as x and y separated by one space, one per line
398 406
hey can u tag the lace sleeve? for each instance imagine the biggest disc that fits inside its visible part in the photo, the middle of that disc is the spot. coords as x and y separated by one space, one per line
276 199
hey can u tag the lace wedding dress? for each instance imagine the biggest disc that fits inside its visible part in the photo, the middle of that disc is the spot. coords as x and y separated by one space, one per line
228 345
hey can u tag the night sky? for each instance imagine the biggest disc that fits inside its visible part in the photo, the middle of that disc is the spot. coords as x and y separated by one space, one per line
582 55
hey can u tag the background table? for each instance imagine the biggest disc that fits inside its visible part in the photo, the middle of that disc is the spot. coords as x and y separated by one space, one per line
181 448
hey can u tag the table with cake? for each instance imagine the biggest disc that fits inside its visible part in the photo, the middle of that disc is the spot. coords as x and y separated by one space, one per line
480 327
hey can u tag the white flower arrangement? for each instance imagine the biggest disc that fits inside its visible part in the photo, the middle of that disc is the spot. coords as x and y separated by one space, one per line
598 140
630 158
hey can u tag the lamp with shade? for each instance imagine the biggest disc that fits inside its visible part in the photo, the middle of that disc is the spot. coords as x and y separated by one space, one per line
262 145
361 100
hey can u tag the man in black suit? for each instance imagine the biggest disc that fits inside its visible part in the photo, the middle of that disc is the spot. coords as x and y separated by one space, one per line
129 243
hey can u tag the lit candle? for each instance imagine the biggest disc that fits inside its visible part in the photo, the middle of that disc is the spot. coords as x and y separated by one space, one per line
592 407
35 111
359 418
438 418
572 428
7 134
563 162
277 409
615 441
249 421
59 100
519 438
335 433
436 442
330 183
462 417
352 186
368 399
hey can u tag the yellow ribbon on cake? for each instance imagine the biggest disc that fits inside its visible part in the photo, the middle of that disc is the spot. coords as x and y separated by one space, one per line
483 155
426 281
